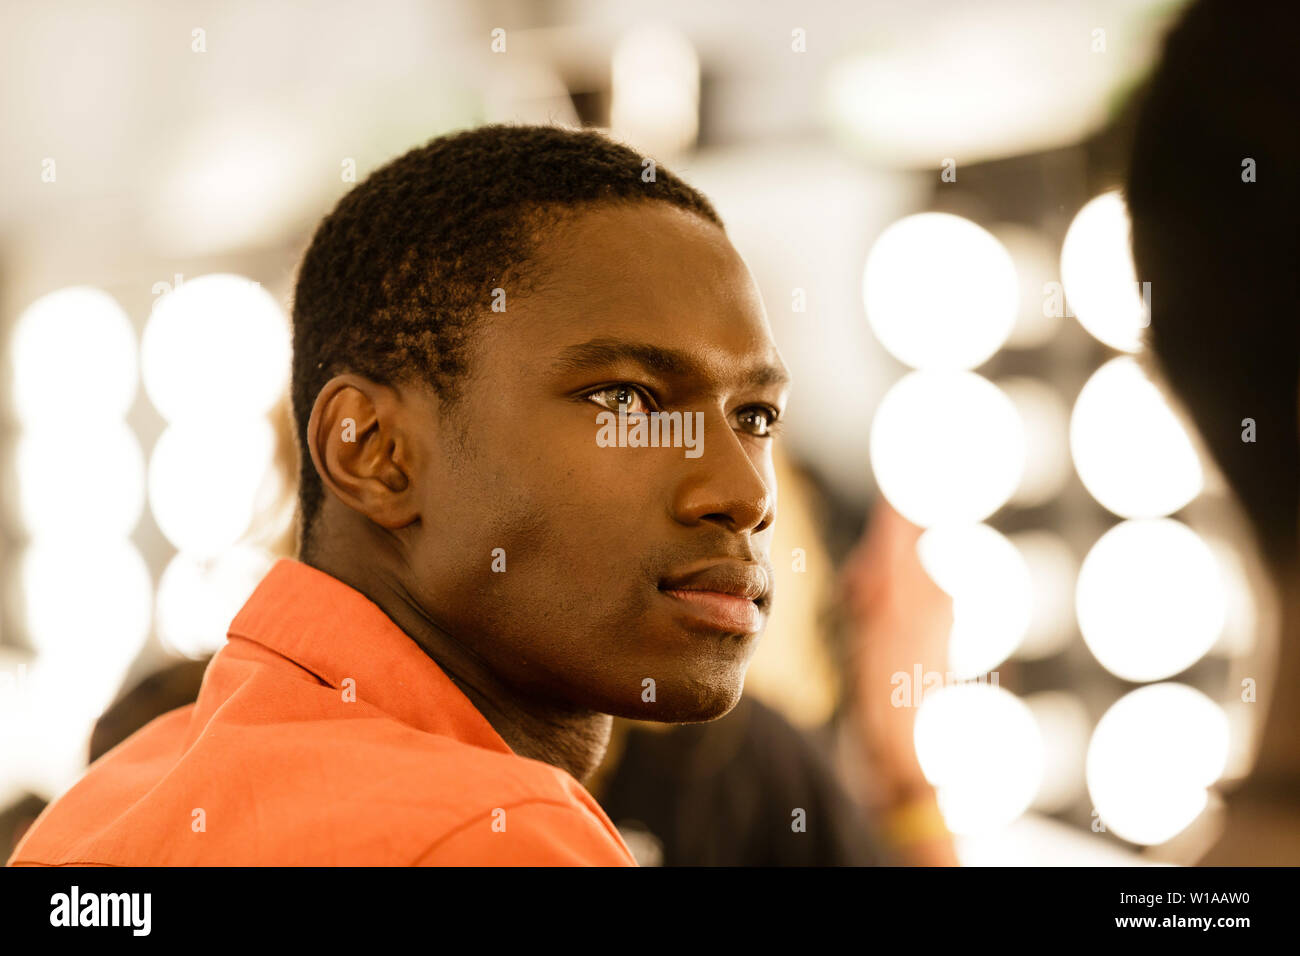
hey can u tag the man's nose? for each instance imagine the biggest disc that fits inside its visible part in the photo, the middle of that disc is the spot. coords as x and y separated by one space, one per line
723 485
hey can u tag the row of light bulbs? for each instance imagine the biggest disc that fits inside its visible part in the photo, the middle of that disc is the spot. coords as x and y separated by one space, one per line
213 359
949 448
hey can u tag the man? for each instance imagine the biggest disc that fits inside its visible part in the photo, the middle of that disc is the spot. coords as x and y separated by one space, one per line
1214 194
484 577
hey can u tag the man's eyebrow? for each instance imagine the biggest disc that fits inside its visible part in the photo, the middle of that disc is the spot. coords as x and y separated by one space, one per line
665 361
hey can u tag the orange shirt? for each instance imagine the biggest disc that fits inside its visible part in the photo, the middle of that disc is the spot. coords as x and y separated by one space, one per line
274 764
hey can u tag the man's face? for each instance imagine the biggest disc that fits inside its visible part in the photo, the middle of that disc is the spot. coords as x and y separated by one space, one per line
609 552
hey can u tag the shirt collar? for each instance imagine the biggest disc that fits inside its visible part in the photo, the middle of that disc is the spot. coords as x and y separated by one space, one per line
336 632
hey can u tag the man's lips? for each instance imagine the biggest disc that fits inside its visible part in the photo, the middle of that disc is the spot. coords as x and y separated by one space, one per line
726 612
728 595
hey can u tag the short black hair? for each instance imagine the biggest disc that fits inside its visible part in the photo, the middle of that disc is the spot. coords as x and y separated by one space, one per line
1223 254
399 271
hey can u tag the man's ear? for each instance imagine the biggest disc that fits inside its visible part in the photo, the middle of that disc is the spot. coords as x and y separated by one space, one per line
363 450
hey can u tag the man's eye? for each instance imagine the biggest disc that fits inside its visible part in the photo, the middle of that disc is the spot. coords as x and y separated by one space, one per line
612 396
759 420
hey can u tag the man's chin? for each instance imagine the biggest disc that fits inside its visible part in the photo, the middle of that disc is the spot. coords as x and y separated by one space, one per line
686 700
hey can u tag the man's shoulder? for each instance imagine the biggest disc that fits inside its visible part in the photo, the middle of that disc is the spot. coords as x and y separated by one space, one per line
366 790
268 719
390 765
436 799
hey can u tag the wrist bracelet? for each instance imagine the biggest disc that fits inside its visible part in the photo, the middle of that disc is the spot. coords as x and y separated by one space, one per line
915 821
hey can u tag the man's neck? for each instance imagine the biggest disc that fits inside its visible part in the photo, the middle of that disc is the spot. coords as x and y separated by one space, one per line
573 741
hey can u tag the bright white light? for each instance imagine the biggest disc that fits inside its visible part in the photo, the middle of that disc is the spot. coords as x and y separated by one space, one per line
73 358
1053 572
1039 840
655 90
62 694
1150 599
1241 623
988 582
1152 757
1244 731
80 481
88 599
940 292
15 706
216 346
979 746
1132 453
975 83
204 482
197 600
1097 272
1064 724
231 176
1046 423
946 447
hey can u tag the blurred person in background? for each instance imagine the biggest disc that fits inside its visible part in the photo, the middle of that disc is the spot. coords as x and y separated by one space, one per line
1214 195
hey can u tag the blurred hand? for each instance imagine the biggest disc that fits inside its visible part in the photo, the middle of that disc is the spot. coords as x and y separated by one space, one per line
901 619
